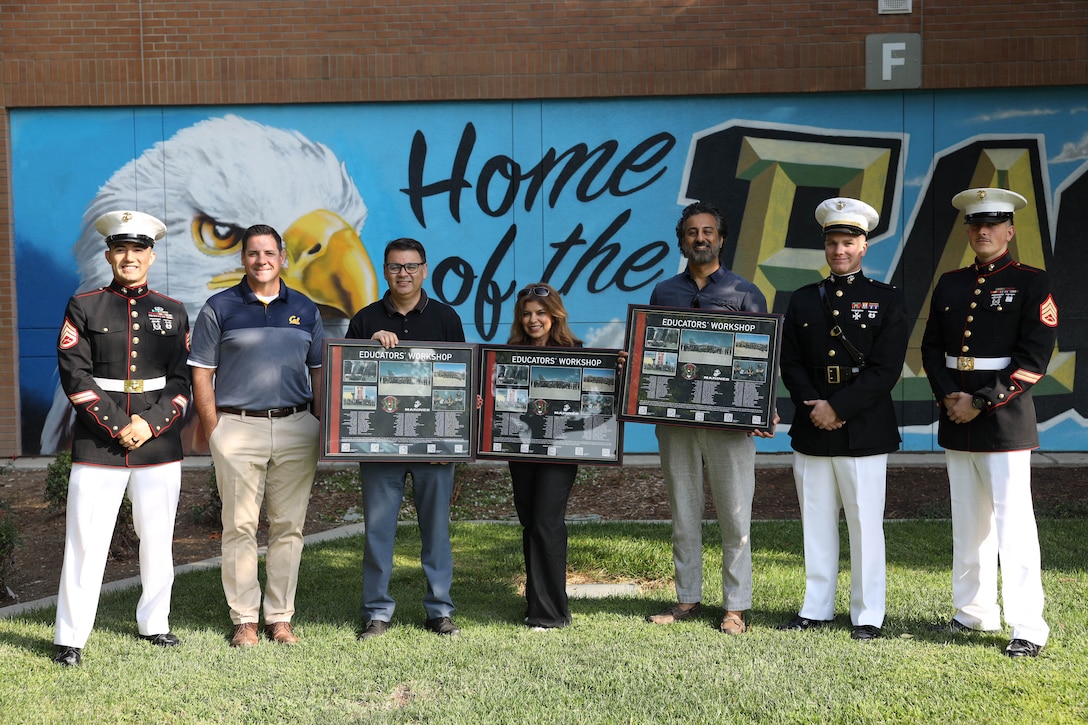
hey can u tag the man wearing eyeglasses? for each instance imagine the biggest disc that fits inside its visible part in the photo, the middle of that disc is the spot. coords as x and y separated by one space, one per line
406 313
727 457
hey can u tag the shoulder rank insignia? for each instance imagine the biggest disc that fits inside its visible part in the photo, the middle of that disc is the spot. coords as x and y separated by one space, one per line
69 335
1048 312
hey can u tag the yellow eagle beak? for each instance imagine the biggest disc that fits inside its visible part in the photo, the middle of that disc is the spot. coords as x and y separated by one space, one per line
326 260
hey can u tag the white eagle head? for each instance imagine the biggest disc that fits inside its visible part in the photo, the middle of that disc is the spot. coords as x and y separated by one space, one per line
211 181
208 183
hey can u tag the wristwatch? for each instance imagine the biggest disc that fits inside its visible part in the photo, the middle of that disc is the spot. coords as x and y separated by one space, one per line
978 402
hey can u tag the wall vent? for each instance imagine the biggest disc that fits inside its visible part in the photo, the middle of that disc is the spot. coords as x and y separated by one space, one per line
891 7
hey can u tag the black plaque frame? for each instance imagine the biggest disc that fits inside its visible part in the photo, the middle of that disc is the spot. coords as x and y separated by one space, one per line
416 401
701 367
550 404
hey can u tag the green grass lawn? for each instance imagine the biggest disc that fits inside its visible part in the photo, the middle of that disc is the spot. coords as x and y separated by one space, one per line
609 666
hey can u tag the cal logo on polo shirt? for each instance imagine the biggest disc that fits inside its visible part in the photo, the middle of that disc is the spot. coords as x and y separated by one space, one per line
294 320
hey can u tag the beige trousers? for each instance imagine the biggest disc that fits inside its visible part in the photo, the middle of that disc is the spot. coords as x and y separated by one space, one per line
269 460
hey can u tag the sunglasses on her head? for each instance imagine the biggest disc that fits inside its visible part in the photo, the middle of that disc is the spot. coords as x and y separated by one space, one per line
537 291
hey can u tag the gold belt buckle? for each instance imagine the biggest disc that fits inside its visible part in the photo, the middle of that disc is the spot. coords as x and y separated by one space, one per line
134 386
965 363
833 374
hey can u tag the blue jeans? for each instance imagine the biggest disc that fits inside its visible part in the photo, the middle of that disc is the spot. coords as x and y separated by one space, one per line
383 491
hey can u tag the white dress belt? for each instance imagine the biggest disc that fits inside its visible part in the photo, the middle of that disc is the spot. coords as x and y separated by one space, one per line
977 363
113 385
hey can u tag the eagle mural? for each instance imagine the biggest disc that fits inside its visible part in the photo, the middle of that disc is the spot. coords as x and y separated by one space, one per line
208 183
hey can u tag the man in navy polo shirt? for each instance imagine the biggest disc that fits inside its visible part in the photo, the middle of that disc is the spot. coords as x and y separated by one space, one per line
256 363
723 458
406 313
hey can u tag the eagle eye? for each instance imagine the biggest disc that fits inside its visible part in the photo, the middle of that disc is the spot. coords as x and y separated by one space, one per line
213 237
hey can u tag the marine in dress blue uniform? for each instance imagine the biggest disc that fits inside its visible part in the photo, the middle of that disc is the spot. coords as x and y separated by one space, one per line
990 333
844 425
121 356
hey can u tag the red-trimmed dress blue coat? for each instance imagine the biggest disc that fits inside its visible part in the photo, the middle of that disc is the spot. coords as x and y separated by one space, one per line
125 333
995 310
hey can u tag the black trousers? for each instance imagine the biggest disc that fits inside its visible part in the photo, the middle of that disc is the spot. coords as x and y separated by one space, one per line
541 491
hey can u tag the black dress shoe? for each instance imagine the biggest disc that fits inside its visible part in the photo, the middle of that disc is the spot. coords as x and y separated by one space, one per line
168 639
443 625
799 623
954 626
1023 648
374 628
68 656
865 632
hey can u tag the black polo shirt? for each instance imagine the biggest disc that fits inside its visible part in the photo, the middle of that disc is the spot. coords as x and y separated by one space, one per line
429 321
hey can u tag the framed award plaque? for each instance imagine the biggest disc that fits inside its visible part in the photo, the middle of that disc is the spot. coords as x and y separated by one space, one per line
701 367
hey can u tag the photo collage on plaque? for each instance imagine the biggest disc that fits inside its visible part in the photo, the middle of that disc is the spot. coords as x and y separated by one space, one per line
542 390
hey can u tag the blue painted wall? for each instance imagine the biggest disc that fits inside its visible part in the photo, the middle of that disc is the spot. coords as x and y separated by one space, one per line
584 194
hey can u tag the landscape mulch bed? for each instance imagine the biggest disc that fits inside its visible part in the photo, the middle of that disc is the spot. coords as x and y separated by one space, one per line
627 493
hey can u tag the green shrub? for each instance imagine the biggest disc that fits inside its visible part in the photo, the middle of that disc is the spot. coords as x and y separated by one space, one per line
211 511
125 541
56 481
9 539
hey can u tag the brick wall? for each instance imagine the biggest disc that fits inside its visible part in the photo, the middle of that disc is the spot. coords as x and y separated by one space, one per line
10 435
55 53
132 53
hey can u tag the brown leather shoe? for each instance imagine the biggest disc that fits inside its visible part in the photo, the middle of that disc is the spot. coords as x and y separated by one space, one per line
676 613
733 623
280 632
245 635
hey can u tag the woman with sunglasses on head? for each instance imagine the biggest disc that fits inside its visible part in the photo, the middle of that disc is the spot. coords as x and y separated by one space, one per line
541 489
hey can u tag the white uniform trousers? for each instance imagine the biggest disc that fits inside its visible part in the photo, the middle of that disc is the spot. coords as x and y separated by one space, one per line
993 519
857 485
95 494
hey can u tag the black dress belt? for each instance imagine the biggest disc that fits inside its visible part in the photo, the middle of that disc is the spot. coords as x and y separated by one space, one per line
270 413
837 374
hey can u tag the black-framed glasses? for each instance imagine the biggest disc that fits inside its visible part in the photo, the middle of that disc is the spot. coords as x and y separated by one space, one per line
410 268
537 291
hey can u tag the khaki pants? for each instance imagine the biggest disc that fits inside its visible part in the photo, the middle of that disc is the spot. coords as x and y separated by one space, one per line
269 460
727 460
